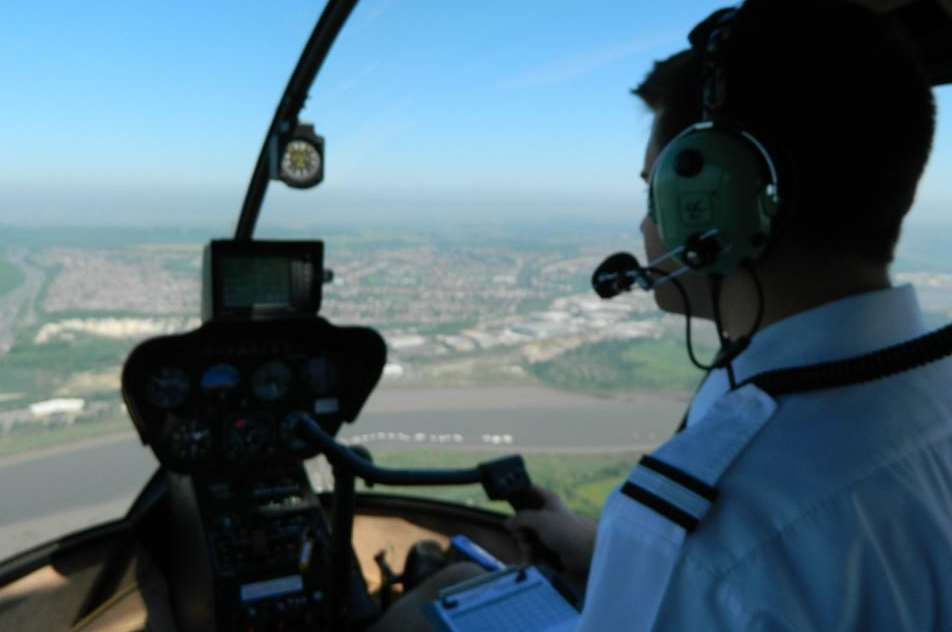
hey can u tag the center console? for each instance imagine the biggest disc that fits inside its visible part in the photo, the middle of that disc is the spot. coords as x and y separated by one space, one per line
251 546
260 545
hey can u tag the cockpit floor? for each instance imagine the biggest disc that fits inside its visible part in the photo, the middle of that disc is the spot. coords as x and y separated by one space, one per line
55 596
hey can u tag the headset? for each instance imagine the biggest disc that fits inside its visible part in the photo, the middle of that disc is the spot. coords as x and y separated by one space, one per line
714 191
715 195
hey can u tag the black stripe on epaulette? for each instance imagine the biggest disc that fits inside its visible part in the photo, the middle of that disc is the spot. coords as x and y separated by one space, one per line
680 477
672 512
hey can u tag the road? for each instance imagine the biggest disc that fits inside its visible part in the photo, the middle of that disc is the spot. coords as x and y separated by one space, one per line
17 307
56 491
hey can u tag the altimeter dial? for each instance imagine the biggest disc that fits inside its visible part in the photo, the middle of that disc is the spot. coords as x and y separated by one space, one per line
271 381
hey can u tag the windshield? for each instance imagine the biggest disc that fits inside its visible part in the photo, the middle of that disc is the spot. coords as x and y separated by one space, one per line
481 160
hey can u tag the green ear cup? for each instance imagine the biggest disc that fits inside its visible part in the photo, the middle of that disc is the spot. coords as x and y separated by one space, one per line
712 179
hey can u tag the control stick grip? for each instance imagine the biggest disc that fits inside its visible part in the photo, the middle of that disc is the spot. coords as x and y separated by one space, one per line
502 479
507 479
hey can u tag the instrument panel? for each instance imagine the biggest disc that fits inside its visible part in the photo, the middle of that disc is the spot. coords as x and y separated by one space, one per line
225 395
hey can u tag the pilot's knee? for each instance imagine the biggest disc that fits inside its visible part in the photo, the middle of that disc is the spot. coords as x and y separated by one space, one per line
407 613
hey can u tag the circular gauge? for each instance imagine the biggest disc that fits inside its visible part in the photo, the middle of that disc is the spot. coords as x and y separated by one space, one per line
167 388
271 381
220 379
190 441
288 437
247 437
320 376
301 164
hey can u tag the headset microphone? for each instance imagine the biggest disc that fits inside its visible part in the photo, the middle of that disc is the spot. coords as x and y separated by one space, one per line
617 274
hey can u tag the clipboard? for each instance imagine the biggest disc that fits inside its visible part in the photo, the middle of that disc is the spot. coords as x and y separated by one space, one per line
509 600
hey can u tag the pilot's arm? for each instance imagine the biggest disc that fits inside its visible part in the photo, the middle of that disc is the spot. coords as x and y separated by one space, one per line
568 535
641 578
647 573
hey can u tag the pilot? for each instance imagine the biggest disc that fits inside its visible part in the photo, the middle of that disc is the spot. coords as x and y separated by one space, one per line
824 504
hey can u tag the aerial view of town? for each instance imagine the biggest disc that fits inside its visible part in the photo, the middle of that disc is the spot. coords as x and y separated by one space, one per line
496 343
503 312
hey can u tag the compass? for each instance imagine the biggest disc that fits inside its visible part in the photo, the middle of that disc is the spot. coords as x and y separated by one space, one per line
302 165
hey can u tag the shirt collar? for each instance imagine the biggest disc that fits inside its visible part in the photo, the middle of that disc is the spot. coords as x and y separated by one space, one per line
849 327
842 329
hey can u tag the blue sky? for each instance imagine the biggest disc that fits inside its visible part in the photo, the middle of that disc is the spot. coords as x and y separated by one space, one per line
143 113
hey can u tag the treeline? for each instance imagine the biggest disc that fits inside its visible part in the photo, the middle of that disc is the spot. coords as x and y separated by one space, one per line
616 367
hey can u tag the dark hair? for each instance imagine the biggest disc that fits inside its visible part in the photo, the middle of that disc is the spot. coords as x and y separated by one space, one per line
838 96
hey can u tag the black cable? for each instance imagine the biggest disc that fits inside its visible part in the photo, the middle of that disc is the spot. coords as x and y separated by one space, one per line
856 370
726 354
687 316
730 349
761 301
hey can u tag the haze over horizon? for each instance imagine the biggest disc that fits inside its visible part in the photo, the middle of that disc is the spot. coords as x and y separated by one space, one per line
495 113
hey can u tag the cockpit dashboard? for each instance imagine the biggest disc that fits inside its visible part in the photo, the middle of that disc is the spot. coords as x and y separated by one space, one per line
224 397
254 549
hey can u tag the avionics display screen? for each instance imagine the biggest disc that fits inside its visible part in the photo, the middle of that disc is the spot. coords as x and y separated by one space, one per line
261 279
255 281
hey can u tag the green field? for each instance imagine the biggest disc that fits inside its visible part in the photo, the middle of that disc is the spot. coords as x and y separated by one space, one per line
582 480
615 367
37 371
36 437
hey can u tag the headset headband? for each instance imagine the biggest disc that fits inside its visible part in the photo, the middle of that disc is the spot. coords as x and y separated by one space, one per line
708 40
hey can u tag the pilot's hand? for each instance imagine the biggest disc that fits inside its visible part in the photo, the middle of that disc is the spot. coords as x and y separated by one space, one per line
570 536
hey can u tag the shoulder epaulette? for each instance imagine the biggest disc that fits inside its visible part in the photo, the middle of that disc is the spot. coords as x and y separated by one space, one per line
670 491
678 481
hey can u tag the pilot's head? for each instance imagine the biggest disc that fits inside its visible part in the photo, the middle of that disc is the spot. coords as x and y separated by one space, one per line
838 98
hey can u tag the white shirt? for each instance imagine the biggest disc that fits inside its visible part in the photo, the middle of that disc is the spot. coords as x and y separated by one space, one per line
833 508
